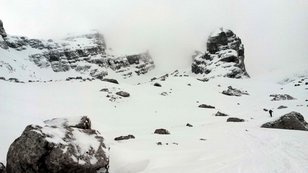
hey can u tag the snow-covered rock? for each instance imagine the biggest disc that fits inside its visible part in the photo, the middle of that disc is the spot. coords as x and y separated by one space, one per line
61 145
224 56
234 92
87 55
292 121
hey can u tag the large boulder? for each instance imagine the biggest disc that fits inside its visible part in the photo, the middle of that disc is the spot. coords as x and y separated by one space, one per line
60 145
224 56
292 121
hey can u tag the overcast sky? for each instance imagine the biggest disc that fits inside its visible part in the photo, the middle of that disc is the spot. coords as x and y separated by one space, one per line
274 32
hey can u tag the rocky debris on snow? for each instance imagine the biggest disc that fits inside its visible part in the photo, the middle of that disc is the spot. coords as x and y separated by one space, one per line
234 92
189 125
157 84
206 106
265 110
162 131
111 80
234 119
221 114
292 121
61 145
164 93
278 97
282 107
2 168
224 56
123 94
203 79
124 137
202 139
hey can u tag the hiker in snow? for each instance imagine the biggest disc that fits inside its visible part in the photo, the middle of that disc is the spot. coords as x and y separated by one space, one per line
271 113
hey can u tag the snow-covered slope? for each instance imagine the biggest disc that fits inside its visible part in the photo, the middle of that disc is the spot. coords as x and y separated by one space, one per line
211 145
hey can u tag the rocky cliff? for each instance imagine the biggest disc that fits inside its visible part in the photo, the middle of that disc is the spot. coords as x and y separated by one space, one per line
224 56
83 55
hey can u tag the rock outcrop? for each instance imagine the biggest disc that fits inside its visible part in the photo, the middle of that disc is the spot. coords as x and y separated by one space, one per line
2 30
220 114
85 54
61 145
292 121
120 138
224 56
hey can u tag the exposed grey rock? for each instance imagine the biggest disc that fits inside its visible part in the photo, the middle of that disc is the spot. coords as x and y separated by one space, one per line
282 107
234 119
292 121
221 114
123 94
162 131
61 145
2 168
278 97
206 106
234 92
224 51
111 80
124 137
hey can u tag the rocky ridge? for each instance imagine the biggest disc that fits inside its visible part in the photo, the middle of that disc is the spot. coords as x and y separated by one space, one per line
85 54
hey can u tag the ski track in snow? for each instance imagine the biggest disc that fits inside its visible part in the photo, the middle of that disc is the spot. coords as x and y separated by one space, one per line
228 147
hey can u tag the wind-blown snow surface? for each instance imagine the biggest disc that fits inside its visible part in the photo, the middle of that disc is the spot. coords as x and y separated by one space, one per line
227 147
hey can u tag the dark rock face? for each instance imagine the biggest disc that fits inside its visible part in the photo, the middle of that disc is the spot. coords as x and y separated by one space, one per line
2 31
2 168
224 56
221 114
111 80
124 137
234 119
234 92
278 97
62 145
162 132
206 106
292 121
123 94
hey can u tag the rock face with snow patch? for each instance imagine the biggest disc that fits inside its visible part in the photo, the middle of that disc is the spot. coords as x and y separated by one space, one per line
85 54
61 145
292 120
224 56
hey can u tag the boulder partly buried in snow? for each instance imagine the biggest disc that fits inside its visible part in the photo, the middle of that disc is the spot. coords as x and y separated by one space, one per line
61 145
292 121
278 97
123 94
221 114
162 132
234 119
206 106
120 138
234 92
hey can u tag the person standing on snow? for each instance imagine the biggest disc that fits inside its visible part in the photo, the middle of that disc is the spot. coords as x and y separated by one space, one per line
271 113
